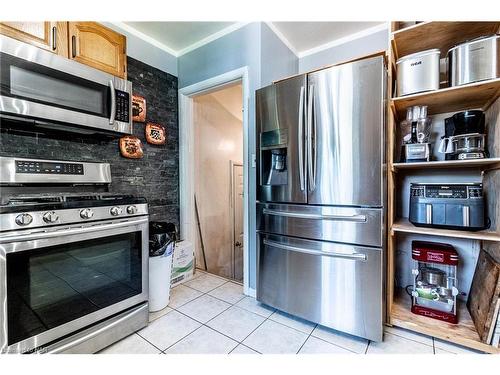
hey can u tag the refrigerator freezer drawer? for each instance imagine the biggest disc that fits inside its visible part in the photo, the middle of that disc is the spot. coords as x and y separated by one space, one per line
363 226
338 286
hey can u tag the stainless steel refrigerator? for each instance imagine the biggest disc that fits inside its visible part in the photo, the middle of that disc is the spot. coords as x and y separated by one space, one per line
320 196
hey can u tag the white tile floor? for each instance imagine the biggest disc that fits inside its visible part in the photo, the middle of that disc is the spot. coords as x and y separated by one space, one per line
210 315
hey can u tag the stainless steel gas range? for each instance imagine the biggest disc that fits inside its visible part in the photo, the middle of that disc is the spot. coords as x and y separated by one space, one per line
73 258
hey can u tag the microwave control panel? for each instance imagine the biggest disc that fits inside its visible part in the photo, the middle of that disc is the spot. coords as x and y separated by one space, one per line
122 106
48 167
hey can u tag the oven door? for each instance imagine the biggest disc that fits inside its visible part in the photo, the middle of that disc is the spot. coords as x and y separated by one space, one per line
53 283
40 85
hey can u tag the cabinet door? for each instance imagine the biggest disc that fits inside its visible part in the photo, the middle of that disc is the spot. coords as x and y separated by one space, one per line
49 35
97 46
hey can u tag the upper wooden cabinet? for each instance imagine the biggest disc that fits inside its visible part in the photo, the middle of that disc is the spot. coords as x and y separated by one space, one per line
97 46
86 42
50 35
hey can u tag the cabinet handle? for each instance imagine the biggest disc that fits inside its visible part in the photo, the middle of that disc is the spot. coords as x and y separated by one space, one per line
73 46
54 38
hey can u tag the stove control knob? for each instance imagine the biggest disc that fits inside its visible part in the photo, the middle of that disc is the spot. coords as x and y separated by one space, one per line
86 213
131 210
24 219
50 217
115 211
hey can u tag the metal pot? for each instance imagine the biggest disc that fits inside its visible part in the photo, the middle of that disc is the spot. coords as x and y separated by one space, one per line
475 60
433 276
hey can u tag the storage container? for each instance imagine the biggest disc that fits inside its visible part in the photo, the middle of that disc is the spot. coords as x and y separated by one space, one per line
418 72
475 60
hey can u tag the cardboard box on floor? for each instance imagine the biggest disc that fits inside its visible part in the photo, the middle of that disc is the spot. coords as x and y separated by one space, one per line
182 263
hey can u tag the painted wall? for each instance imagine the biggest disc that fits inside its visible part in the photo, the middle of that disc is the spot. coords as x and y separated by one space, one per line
146 52
218 141
343 52
243 47
277 61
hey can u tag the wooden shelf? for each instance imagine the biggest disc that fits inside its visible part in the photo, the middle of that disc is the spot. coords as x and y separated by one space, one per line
450 99
442 35
464 333
487 163
403 225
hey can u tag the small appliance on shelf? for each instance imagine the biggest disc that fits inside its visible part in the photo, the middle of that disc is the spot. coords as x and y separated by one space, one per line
418 72
416 130
474 60
464 136
448 206
435 290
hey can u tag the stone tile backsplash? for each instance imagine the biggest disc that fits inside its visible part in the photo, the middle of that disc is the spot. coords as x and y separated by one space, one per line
155 176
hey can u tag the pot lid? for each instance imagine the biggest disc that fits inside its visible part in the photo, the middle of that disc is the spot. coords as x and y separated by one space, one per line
474 40
419 54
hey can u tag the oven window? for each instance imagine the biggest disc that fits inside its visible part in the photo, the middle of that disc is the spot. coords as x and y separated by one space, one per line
55 285
43 88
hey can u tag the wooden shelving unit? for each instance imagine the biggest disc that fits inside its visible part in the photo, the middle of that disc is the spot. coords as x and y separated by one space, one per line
464 333
442 35
403 225
482 95
474 95
487 163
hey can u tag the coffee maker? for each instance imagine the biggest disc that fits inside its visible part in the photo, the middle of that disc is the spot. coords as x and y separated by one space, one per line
416 129
464 136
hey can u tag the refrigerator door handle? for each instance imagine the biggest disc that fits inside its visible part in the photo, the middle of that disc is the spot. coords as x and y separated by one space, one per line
309 137
298 215
301 138
278 245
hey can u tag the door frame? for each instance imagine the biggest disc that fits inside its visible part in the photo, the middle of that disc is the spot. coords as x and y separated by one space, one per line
187 162
233 164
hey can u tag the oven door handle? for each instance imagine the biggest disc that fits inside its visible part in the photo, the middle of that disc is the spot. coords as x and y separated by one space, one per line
67 232
113 102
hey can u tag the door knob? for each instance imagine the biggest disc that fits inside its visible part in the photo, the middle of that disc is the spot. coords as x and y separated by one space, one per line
238 243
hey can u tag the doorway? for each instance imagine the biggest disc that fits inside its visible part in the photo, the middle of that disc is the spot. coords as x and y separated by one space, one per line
187 175
218 180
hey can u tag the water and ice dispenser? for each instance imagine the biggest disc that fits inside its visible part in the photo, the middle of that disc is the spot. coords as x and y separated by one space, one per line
273 156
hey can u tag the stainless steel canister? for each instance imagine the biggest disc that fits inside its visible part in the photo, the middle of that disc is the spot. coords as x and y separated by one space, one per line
418 72
475 60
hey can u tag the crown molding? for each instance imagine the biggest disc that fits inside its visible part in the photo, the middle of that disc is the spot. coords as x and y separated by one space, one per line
144 37
212 37
346 39
283 39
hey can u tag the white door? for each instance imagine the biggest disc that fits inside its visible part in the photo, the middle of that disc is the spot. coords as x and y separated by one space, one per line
237 208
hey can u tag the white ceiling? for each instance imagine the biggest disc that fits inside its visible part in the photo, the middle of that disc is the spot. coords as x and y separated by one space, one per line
301 37
304 36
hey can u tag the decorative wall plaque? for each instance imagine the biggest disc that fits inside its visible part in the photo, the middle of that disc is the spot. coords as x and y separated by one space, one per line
138 108
131 147
155 134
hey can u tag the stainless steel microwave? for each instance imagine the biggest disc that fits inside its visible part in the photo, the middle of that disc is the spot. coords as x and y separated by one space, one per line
43 88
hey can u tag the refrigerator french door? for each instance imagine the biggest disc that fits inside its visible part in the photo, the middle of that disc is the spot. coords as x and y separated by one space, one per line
320 214
280 118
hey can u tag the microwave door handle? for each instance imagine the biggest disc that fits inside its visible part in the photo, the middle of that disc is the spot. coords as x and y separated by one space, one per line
301 138
113 102
282 246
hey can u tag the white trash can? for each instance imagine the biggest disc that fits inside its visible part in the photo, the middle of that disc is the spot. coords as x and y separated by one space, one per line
160 270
